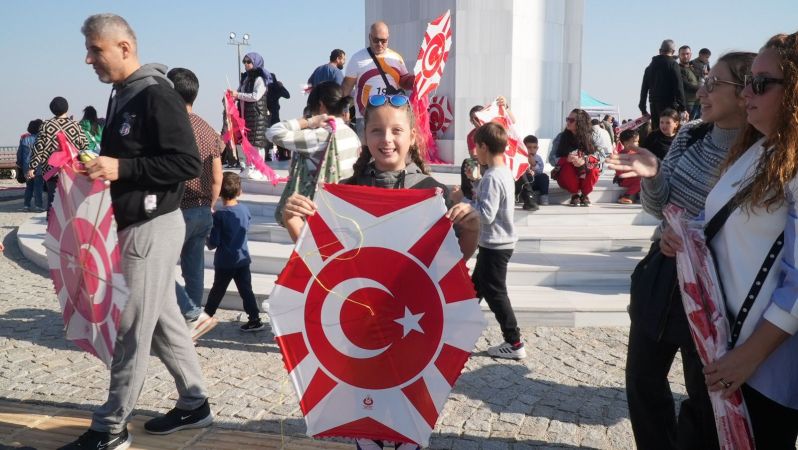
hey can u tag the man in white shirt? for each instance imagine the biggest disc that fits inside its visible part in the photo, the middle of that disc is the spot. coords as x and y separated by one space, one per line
364 75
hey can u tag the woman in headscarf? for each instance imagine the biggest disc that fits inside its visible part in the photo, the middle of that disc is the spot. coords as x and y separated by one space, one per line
251 96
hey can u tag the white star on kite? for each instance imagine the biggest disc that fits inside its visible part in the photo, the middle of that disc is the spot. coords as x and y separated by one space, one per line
71 263
410 322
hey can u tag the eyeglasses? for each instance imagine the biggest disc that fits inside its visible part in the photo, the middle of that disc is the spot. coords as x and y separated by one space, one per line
397 100
570 119
760 82
247 61
379 41
711 82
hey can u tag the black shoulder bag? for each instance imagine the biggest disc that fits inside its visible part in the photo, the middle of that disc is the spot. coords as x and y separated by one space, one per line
710 230
389 89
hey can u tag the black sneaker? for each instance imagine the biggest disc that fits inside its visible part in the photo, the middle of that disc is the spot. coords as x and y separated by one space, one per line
100 440
180 419
574 200
253 325
584 200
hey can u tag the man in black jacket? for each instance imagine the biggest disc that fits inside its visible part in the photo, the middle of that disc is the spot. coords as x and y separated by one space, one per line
148 151
662 84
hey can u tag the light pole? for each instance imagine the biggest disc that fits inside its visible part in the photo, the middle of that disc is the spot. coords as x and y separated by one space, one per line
245 42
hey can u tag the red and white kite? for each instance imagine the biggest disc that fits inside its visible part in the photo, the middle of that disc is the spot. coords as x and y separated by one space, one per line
440 114
428 71
515 156
375 313
702 296
432 55
83 255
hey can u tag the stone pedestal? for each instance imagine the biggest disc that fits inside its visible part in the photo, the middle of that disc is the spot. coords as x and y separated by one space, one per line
530 51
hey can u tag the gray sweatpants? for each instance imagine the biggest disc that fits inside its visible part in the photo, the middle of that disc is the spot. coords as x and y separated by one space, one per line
151 318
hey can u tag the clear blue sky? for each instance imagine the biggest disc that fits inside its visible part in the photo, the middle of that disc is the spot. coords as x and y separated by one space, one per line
42 50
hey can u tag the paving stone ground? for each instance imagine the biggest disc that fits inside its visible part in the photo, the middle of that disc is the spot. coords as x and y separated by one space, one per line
569 392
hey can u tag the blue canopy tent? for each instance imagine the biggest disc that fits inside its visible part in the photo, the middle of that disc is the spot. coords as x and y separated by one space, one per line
596 108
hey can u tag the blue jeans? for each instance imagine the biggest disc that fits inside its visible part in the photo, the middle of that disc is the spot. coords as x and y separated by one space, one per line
33 189
192 260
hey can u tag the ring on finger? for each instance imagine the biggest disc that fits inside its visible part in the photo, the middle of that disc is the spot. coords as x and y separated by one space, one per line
725 383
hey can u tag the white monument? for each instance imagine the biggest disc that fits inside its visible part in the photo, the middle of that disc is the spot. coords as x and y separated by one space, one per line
530 51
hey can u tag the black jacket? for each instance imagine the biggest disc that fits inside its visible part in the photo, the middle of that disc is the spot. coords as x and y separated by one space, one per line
658 143
662 83
148 130
256 114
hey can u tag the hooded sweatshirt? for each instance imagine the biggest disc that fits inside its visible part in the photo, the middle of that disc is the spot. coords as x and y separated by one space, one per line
148 131
411 177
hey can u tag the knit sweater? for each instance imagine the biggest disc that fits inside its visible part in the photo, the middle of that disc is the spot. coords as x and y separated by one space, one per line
687 174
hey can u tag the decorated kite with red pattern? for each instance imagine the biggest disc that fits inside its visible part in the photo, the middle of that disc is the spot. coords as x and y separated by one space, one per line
515 155
375 314
703 302
83 255
432 55
440 114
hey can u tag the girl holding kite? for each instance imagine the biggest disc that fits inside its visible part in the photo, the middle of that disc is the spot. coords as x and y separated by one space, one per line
391 160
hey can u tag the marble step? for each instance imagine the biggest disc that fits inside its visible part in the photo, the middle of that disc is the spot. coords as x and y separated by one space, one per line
533 305
571 290
524 269
605 191
551 239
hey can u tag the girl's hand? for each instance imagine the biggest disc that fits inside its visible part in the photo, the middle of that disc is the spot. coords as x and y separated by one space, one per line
640 163
463 215
456 194
730 371
318 120
298 206
670 242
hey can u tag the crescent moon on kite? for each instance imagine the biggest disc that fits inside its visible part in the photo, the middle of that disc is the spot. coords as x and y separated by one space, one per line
331 318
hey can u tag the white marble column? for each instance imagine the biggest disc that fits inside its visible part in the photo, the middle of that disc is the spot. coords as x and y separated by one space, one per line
530 51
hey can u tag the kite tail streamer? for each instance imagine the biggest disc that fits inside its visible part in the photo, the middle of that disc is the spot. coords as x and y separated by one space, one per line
426 141
253 157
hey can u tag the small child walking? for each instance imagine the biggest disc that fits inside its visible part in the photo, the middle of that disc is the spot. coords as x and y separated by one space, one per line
231 261
494 201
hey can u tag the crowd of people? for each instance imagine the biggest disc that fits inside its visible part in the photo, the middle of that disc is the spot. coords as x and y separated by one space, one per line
725 141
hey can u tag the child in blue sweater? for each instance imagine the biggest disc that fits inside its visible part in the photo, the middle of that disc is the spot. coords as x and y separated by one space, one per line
231 261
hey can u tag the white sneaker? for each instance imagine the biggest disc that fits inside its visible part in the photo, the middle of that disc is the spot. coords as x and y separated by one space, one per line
254 174
202 325
507 350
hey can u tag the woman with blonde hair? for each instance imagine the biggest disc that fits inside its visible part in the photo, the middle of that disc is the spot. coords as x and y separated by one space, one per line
756 250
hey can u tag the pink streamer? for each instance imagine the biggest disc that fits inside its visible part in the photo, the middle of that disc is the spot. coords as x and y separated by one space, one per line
425 140
237 124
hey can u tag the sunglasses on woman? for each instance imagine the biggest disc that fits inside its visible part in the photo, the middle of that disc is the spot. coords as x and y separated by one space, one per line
760 82
397 100
570 120
247 61
711 82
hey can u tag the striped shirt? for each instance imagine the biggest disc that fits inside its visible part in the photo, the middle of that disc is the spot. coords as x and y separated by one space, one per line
313 142
687 174
494 200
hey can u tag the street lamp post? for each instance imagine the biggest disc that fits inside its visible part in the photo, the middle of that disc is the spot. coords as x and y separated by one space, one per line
245 42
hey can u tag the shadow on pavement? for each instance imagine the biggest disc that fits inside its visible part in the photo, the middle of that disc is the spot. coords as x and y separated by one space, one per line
512 388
